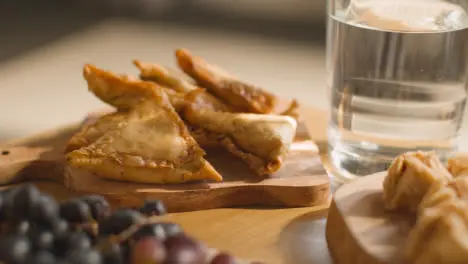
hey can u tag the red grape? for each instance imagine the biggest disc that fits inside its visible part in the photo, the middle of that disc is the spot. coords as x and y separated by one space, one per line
223 258
148 250
184 250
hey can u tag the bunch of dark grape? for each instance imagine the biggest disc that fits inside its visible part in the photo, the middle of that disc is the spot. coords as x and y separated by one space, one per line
36 229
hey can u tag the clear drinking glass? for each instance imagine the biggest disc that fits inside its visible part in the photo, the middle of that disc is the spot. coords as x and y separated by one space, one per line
397 77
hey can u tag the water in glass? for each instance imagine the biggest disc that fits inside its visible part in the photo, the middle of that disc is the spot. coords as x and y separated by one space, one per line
397 73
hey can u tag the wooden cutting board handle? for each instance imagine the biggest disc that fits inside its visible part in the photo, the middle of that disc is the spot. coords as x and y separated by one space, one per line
22 163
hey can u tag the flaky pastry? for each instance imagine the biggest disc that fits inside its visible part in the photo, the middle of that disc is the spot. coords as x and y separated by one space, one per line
152 145
409 178
439 195
163 76
440 235
244 97
91 132
124 92
458 165
262 141
173 80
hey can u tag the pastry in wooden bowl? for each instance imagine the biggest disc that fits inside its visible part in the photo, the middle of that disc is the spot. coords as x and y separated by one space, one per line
439 195
262 141
458 165
440 235
361 230
409 178
151 145
240 95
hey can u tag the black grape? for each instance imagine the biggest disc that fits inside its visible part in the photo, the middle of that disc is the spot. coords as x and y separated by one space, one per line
84 256
41 239
100 208
14 249
154 230
120 221
75 211
113 254
58 227
45 210
24 199
41 257
72 241
21 227
153 208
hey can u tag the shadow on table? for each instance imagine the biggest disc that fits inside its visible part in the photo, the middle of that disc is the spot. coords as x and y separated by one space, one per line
303 241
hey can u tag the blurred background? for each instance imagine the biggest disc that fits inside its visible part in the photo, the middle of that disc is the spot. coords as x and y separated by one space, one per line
277 44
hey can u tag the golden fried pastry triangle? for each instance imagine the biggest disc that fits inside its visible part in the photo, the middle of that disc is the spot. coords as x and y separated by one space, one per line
89 133
167 78
163 76
124 92
262 141
152 145
242 96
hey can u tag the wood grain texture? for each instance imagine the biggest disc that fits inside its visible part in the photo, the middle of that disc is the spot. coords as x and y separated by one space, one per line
276 236
359 230
302 181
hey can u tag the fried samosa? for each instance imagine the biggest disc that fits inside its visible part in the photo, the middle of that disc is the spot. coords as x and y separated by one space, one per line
244 97
91 132
152 145
173 80
262 141
164 77
105 122
124 92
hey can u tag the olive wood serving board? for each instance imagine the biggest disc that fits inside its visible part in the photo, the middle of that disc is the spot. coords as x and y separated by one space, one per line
302 181
359 230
